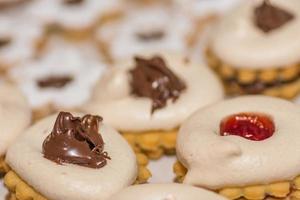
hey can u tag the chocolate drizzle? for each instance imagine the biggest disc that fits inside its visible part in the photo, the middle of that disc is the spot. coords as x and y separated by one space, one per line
150 36
54 81
76 140
269 17
151 78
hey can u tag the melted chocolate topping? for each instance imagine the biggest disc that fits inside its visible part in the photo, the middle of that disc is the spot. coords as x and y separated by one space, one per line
76 140
54 81
151 36
73 2
269 17
151 78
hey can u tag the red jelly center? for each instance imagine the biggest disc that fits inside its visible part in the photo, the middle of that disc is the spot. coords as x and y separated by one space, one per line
251 126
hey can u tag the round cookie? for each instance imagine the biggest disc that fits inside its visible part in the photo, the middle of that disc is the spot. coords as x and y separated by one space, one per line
166 192
67 157
263 56
157 92
53 80
146 28
15 115
242 147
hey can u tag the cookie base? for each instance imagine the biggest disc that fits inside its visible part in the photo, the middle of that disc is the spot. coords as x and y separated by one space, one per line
153 144
286 91
4 168
279 190
20 190
281 82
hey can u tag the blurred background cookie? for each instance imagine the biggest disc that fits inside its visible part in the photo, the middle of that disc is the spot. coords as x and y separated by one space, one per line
146 28
54 80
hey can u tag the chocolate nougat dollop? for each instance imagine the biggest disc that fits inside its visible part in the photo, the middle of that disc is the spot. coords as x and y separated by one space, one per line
76 140
269 17
153 79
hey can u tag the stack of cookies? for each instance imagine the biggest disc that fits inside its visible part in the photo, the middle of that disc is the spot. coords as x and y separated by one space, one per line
93 90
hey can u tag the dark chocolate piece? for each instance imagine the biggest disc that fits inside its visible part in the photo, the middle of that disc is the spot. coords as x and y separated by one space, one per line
76 140
269 17
153 79
54 81
150 36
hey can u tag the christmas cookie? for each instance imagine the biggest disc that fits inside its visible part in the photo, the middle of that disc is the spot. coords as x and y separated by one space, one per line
156 92
165 192
69 157
15 116
145 28
254 48
243 147
53 81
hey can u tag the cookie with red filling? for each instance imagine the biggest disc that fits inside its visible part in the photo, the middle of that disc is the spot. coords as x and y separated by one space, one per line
246 147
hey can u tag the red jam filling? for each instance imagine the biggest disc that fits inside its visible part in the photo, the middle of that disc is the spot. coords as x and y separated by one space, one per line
252 126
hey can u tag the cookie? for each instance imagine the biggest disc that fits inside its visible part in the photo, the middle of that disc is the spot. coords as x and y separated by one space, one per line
238 142
61 156
146 28
52 81
151 95
263 55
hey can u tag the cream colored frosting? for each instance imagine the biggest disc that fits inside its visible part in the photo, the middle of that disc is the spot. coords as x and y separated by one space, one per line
215 161
68 181
165 192
113 101
75 16
240 43
60 58
122 39
15 115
